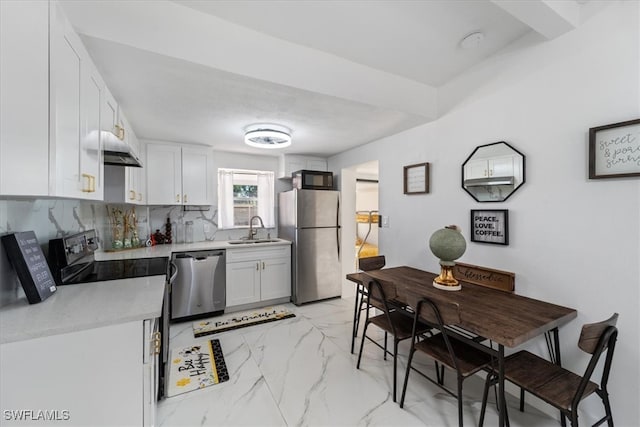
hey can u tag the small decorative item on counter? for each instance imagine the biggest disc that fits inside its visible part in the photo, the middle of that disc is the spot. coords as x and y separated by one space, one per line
167 229
158 237
188 232
135 239
116 220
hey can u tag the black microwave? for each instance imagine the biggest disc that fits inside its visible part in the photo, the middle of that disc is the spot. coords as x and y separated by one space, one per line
312 180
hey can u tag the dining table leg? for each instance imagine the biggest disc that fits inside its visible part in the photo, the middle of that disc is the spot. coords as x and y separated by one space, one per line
501 396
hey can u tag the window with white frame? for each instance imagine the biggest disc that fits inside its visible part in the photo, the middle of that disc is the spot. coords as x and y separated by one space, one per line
243 194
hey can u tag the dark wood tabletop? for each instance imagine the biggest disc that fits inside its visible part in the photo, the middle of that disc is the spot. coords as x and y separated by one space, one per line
505 318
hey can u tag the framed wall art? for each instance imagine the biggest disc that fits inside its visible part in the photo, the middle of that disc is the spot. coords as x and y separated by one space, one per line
416 179
490 226
614 150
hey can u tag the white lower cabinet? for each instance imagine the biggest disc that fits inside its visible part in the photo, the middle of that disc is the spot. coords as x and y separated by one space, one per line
92 377
256 275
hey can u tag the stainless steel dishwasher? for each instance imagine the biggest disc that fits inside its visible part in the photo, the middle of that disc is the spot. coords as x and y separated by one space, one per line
198 284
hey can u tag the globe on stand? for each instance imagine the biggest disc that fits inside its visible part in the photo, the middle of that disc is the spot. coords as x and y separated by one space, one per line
447 244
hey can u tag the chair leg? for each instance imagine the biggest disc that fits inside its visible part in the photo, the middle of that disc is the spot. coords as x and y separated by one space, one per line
439 373
356 319
521 399
364 334
607 406
485 396
385 345
460 420
395 367
406 376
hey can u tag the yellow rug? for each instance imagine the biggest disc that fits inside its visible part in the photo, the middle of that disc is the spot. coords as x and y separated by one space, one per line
196 366
241 319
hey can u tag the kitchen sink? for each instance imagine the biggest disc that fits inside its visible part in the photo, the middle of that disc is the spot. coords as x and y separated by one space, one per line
252 242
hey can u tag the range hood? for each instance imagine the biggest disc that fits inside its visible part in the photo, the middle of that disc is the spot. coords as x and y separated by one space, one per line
482 182
118 153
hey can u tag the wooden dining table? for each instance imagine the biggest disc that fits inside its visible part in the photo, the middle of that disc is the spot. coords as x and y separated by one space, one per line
503 318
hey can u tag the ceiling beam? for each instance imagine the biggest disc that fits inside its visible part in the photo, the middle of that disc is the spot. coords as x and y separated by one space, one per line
177 31
548 18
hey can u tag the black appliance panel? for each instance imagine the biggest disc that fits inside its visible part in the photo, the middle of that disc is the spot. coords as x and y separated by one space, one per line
100 271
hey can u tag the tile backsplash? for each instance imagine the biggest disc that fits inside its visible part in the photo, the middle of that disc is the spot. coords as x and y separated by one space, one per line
54 218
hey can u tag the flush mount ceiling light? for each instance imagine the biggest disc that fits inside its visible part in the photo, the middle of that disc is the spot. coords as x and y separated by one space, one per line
267 136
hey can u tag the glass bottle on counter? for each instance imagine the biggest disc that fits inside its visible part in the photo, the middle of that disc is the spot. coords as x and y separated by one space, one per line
188 232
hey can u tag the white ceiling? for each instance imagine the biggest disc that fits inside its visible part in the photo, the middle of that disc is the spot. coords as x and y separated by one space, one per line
338 73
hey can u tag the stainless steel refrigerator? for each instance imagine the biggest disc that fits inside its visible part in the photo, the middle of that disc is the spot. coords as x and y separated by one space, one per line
311 220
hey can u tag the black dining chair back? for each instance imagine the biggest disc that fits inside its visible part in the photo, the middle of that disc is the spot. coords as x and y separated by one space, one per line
364 264
444 348
560 387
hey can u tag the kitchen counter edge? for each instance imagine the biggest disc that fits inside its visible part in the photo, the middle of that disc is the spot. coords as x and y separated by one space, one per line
74 308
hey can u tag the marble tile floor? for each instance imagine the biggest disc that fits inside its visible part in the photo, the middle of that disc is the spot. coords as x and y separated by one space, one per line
300 372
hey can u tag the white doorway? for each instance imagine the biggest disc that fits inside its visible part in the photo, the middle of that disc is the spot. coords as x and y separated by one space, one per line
360 203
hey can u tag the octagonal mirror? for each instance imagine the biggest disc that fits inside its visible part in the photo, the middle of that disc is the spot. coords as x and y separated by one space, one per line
493 172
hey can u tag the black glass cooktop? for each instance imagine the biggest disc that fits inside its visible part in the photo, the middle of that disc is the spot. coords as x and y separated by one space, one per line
99 271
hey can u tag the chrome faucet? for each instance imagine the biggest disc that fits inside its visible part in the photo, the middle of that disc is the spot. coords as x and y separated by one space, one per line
252 231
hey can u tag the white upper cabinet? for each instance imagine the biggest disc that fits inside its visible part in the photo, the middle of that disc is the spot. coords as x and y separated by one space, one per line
179 174
164 174
289 163
197 176
50 143
75 102
24 104
136 178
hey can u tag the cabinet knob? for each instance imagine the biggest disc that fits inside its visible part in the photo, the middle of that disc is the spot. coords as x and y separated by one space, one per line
132 195
257 266
263 265
177 198
184 198
139 197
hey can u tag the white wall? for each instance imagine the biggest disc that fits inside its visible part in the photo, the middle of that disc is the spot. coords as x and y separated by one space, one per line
573 241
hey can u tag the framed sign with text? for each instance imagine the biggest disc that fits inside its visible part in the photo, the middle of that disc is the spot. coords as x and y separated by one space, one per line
614 150
490 226
416 179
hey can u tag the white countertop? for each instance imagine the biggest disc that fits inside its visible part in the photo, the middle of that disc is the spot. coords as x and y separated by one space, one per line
167 250
84 306
94 305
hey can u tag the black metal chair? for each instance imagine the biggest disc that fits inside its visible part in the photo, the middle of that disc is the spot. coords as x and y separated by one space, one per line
558 386
364 264
447 351
379 297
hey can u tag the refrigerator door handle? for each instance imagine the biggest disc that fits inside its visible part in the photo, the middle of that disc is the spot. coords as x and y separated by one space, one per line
338 226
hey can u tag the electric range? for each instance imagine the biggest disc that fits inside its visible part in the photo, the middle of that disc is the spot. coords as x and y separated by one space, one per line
72 261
